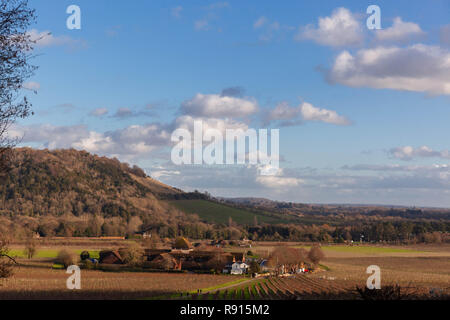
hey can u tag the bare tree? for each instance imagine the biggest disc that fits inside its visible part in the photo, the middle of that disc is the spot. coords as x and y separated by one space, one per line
315 254
6 261
30 247
284 259
15 51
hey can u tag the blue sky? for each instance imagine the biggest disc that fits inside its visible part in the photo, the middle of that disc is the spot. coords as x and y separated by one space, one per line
368 109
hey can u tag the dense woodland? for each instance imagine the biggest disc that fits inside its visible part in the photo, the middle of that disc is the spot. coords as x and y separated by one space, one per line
74 193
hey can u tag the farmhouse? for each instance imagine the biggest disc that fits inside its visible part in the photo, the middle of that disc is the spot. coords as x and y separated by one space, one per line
110 257
236 267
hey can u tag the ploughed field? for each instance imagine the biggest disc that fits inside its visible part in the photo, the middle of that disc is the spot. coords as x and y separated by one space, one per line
306 287
39 281
421 270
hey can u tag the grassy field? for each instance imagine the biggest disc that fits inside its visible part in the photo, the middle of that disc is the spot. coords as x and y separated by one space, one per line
51 253
219 213
365 249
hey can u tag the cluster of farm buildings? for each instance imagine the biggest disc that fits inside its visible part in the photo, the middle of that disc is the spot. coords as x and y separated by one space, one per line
189 259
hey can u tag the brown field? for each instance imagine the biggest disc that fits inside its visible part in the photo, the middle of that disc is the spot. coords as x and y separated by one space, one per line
39 281
419 268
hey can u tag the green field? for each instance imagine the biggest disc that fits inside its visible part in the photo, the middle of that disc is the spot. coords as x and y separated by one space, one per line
365 249
49 253
218 213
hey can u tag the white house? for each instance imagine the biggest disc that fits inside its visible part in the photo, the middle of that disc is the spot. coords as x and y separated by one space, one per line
239 268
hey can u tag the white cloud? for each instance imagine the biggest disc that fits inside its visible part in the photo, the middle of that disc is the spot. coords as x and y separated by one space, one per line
399 31
419 67
214 105
444 35
34 86
47 39
99 112
187 122
49 136
311 113
278 181
342 28
132 141
304 112
409 153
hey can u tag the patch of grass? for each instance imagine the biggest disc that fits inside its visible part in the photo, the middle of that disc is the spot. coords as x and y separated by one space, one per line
50 253
226 284
219 213
364 249
324 267
246 293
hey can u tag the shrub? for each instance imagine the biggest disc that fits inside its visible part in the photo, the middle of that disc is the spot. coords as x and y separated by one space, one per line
6 268
182 243
390 292
66 258
6 262
133 255
85 255
315 254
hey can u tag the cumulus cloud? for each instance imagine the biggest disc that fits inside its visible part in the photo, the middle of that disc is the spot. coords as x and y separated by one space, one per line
214 105
342 28
187 122
132 141
278 181
289 116
49 136
419 67
444 35
399 31
311 113
409 153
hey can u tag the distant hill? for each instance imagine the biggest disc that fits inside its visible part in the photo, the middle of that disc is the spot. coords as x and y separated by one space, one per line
43 182
74 193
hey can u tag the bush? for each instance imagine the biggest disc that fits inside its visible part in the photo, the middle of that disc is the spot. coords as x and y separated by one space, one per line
133 255
182 243
66 258
85 255
391 292
315 254
6 268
